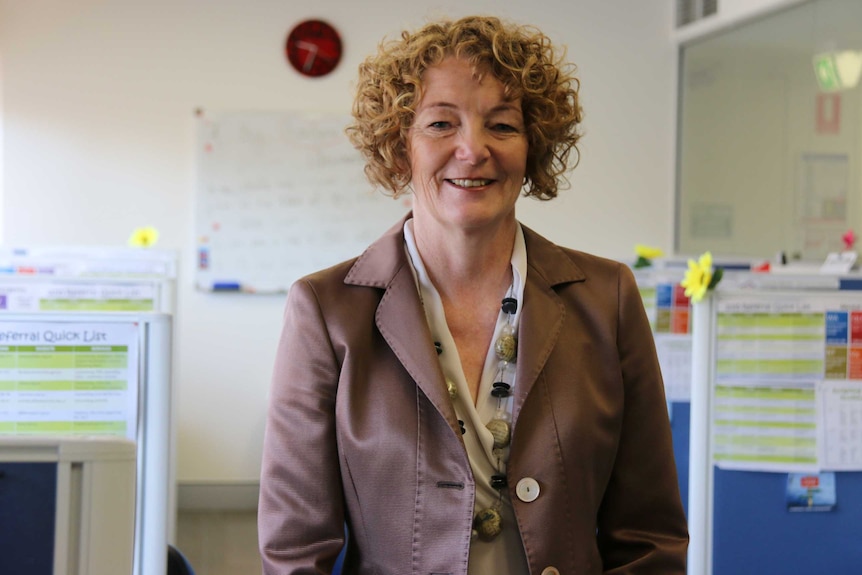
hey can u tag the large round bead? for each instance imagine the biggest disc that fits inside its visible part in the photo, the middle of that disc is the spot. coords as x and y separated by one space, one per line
488 523
451 388
506 347
501 432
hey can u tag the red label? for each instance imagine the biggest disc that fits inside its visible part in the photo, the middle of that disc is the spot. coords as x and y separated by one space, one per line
856 327
679 299
680 321
809 482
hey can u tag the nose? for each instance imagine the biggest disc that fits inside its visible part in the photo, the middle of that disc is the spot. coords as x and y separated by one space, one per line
472 146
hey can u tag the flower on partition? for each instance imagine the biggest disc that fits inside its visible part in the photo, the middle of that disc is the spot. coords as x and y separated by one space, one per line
645 255
849 240
700 277
144 237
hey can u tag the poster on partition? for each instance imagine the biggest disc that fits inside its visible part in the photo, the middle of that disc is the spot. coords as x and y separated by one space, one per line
669 313
63 378
784 395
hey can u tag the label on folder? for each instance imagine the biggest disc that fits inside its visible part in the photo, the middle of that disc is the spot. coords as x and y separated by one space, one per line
811 491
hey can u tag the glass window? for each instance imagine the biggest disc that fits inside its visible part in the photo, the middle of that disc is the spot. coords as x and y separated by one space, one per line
769 135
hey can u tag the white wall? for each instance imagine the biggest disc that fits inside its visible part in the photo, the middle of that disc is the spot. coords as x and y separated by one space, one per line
98 99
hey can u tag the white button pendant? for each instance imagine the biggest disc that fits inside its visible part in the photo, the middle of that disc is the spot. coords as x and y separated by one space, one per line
527 489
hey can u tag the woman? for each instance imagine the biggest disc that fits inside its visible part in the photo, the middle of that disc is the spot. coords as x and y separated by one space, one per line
450 432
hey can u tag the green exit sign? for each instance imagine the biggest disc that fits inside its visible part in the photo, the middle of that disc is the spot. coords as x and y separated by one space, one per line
839 70
826 71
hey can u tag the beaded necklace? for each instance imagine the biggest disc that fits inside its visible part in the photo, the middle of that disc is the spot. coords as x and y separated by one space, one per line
498 378
488 522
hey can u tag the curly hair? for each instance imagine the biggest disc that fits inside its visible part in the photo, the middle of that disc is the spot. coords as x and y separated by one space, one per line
389 89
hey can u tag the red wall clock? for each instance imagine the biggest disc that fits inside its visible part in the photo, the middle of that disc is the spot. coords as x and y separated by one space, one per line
313 48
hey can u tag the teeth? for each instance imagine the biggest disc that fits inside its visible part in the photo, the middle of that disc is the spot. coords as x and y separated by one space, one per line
470 183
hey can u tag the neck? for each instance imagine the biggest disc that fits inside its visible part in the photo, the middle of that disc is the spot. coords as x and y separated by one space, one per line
478 262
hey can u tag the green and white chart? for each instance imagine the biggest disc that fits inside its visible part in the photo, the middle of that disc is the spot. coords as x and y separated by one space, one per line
69 378
785 393
55 295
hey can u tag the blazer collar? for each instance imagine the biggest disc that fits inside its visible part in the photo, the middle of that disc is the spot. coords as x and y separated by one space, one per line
385 258
401 318
544 311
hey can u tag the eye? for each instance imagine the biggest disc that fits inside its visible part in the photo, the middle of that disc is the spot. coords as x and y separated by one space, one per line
506 128
440 125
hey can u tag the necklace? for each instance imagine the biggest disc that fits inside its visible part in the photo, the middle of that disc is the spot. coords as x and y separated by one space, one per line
494 411
488 522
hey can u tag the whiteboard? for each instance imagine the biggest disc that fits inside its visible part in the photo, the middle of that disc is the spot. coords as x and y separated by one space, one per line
280 195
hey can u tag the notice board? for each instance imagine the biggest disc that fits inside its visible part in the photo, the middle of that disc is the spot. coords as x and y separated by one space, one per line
776 394
279 195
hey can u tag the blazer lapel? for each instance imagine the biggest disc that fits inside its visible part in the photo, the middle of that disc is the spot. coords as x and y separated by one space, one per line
542 319
400 316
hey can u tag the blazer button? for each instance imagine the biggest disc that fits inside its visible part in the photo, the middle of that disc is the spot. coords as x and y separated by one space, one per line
527 489
550 571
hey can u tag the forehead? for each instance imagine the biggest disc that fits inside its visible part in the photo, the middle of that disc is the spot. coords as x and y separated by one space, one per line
456 80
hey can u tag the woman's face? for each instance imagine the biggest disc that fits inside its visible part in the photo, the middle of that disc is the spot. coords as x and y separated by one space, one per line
467 148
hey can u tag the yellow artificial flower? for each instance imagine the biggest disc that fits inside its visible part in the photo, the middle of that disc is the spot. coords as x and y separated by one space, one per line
645 255
648 252
144 237
698 277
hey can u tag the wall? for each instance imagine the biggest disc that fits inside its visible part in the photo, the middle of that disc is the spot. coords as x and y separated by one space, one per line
98 99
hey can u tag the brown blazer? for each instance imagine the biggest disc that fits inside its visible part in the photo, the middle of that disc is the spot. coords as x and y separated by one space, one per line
361 429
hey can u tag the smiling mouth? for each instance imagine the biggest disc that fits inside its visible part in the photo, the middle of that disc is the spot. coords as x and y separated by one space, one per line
470 183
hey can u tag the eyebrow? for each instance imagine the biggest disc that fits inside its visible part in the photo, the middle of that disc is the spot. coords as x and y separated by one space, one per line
505 106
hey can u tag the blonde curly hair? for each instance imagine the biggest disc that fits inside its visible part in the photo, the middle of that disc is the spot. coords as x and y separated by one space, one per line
390 87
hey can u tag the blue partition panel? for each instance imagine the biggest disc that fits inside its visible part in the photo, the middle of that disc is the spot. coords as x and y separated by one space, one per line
755 534
679 427
28 494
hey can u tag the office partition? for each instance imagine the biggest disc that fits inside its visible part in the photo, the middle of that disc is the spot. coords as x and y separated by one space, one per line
68 505
106 374
776 429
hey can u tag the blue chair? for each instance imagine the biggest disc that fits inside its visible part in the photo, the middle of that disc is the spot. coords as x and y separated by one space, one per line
177 563
339 561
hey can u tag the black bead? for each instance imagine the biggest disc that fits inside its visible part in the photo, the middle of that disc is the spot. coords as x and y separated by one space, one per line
499 481
463 429
500 392
510 305
501 385
439 347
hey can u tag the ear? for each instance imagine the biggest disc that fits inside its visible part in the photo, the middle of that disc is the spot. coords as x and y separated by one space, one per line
401 164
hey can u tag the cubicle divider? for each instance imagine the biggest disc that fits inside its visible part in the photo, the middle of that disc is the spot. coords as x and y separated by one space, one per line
85 349
84 374
68 505
669 313
776 428
671 317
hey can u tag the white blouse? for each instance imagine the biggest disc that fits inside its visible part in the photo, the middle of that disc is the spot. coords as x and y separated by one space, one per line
504 555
